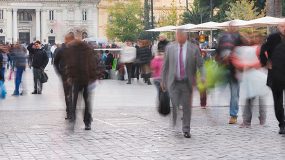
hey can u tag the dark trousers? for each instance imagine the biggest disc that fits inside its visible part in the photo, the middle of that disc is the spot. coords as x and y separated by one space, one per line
76 88
18 79
278 106
67 95
37 80
136 71
129 70
203 98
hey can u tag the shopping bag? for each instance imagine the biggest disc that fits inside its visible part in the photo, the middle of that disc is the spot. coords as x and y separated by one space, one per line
164 103
44 77
3 91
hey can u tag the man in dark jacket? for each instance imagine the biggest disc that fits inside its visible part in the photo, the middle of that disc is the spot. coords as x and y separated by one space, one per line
163 42
39 60
80 70
227 42
273 56
59 66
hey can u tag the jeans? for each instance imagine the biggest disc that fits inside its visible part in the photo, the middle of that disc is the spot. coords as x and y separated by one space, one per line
18 79
234 102
37 80
3 73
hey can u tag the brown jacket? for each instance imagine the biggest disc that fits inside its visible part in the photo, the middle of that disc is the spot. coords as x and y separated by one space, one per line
81 63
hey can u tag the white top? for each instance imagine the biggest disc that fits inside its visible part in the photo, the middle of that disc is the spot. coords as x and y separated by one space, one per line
52 49
184 52
128 54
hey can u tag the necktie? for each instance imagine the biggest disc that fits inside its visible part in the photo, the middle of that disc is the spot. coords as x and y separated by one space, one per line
181 63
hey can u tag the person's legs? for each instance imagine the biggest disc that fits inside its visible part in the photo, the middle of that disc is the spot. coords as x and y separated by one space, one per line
88 110
262 111
187 107
203 98
68 97
234 101
278 106
129 70
174 95
35 81
18 80
74 96
247 112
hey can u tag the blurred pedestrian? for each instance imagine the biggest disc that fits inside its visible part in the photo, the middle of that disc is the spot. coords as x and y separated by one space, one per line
59 66
80 71
39 60
226 44
156 67
179 69
245 58
128 57
19 58
272 56
52 49
3 60
144 57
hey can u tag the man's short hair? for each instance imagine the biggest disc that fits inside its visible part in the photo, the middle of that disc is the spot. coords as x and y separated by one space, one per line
38 42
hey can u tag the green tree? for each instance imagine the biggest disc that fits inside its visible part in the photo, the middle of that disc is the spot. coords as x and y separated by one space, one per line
196 14
169 17
125 22
243 9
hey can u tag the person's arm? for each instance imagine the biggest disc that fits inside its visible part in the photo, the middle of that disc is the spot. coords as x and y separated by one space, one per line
165 70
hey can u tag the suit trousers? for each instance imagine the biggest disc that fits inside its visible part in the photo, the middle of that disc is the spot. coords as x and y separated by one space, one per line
37 80
76 88
278 106
180 94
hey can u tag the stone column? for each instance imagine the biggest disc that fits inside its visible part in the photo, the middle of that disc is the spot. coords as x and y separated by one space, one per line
96 21
9 25
15 25
44 30
38 25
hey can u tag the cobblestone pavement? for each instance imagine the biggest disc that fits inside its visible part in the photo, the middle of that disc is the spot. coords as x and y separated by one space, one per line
127 127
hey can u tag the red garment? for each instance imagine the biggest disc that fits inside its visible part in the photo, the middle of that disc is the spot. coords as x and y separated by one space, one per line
156 66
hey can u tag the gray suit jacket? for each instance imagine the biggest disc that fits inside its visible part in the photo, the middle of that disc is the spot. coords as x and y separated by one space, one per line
194 61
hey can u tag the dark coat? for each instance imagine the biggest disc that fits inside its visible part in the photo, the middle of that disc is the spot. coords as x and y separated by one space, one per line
275 49
38 57
59 60
144 55
81 63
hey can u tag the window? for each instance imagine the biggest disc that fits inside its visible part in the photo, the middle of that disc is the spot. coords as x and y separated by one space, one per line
1 14
84 15
51 15
24 15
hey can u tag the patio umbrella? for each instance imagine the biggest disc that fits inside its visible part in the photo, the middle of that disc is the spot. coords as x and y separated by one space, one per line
264 22
235 23
162 29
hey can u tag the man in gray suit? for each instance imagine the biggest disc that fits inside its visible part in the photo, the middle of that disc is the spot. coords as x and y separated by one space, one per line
179 70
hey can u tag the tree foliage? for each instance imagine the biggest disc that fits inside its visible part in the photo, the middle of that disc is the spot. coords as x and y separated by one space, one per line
196 14
243 9
169 17
125 22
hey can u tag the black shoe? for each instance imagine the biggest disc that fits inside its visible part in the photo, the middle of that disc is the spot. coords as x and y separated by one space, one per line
87 127
35 92
187 135
129 83
39 92
282 130
67 118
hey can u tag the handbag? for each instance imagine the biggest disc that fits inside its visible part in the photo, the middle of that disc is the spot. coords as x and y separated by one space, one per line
44 77
164 103
3 91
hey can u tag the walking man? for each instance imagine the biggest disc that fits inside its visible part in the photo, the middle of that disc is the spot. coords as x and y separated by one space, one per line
273 56
80 71
59 66
180 65
39 60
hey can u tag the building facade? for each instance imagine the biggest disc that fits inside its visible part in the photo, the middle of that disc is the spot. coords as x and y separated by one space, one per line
24 21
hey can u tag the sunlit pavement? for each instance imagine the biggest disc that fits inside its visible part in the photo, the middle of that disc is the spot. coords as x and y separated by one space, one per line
126 126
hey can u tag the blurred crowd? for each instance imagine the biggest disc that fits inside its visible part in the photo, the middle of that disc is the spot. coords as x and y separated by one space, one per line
247 60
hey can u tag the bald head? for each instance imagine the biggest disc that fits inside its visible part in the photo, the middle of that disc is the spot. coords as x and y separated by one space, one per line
281 28
181 36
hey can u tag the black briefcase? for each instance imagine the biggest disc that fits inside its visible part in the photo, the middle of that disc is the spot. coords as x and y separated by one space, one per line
44 77
164 103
